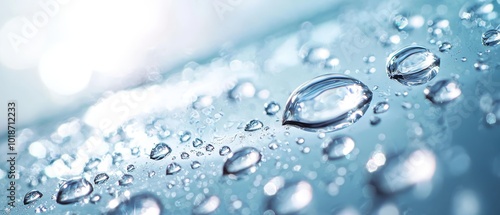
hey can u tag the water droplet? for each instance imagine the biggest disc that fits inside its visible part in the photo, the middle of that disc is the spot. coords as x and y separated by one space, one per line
272 108
375 120
473 10
184 155
254 125
185 136
463 59
438 27
130 168
173 168
443 91
126 180
369 59
413 65
491 37
327 103
400 22
140 204
207 205
306 150
74 190
445 47
32 196
405 170
209 148
406 105
195 165
242 162
314 55
224 151
40 209
92 164
381 107
101 178
491 118
481 66
197 142
300 140
95 198
242 90
273 145
160 151
338 147
293 198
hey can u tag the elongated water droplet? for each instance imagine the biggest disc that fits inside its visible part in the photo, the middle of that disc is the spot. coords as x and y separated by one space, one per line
173 168
140 204
272 108
254 125
338 147
74 190
413 65
206 206
443 91
32 196
491 37
445 47
195 165
197 142
404 170
160 151
327 103
130 168
224 151
293 198
101 178
381 107
242 162
126 180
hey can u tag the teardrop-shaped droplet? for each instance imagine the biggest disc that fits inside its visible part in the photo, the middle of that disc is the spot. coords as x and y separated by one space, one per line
126 180
242 162
327 103
293 198
339 147
74 190
254 125
224 151
160 151
101 178
443 91
173 168
272 108
491 37
413 65
32 196
207 206
404 170
381 107
140 204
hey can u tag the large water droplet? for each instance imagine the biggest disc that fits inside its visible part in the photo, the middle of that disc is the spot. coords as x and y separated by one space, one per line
242 162
381 107
443 91
207 205
32 196
160 151
491 37
293 198
254 125
101 178
327 103
74 190
413 65
141 204
338 147
173 168
405 170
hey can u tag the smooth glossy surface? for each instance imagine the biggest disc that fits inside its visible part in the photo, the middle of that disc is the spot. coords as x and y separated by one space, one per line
413 65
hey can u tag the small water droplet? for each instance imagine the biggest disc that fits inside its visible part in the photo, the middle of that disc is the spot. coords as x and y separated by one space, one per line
273 145
197 142
381 107
300 140
195 165
491 118
463 59
160 151
140 204
445 47
338 147
254 125
101 178
375 120
272 108
207 205
130 168
481 66
184 155
32 196
400 22
491 37
40 209
126 180
369 59
224 151
209 147
185 136
406 105
95 198
413 65
173 168
242 90
73 190
327 103
443 91
293 198
242 162
306 150
315 55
